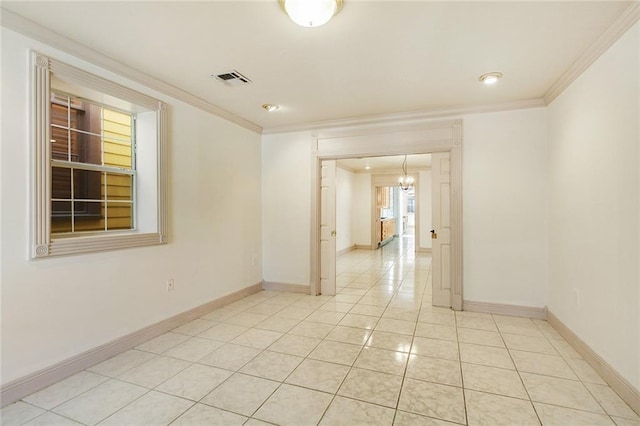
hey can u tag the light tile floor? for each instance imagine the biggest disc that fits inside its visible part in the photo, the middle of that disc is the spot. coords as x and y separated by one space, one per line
376 353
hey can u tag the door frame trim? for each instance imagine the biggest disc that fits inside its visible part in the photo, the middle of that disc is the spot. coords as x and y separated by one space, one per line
371 141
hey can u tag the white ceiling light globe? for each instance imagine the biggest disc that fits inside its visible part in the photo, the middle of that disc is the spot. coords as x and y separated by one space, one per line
310 13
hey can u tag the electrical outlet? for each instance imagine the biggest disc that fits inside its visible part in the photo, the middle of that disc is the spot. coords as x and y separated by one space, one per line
171 284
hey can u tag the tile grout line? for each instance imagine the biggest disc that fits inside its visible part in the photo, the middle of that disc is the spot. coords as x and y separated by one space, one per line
518 371
413 337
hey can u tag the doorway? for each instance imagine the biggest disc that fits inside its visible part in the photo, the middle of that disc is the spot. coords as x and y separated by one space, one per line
434 137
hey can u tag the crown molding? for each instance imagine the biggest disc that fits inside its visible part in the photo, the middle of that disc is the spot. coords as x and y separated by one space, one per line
620 26
26 27
406 117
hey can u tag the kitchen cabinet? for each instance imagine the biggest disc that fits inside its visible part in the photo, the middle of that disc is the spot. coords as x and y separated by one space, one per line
383 198
388 228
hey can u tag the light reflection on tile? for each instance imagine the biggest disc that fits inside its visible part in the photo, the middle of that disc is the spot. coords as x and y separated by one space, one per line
390 341
435 348
382 360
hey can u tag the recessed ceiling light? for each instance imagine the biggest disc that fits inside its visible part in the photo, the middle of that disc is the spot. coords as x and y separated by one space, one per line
490 77
367 167
270 107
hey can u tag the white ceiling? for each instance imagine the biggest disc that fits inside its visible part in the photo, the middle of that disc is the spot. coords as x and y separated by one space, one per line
385 164
374 57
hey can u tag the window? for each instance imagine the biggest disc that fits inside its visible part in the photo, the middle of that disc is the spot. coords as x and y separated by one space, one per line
99 163
411 204
92 166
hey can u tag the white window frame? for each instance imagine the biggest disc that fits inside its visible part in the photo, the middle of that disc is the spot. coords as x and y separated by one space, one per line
43 243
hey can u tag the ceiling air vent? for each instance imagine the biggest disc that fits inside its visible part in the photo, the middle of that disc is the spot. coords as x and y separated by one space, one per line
232 78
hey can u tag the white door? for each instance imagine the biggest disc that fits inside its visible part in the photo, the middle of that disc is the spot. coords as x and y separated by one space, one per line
441 233
328 228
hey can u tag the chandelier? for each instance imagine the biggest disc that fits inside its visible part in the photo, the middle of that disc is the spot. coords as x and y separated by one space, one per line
406 181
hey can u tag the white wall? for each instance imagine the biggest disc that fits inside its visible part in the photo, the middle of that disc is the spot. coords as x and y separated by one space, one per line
505 207
594 206
286 207
344 209
425 208
362 209
53 309
504 178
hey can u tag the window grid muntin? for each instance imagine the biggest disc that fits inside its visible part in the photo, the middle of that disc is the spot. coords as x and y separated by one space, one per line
105 200
70 129
104 170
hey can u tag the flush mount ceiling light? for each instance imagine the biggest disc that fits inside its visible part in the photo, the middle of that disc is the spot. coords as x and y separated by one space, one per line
490 77
270 107
311 13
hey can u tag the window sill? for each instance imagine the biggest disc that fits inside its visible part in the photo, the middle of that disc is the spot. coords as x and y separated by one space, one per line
95 243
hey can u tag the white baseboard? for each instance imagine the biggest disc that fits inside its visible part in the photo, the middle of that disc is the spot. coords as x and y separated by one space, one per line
345 250
504 309
423 250
619 384
293 288
19 388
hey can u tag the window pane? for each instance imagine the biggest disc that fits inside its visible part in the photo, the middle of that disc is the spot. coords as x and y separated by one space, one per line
61 222
119 216
86 148
85 219
59 110
59 144
61 184
119 187
87 185
117 154
86 117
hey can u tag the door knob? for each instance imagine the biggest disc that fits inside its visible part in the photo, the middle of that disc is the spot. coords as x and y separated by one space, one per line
434 234
333 233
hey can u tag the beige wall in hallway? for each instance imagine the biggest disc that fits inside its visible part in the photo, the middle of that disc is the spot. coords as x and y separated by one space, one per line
594 210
